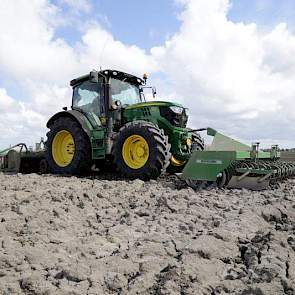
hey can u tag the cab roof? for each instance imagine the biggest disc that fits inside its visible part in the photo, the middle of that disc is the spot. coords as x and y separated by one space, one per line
111 74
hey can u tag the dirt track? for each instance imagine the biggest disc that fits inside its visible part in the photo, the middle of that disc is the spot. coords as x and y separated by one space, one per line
81 236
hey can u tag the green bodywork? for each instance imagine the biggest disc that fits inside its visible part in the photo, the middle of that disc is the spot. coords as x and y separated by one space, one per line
207 165
99 131
92 126
150 111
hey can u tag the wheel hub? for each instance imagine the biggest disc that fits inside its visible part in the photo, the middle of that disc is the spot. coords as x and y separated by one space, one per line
135 151
63 148
175 162
140 151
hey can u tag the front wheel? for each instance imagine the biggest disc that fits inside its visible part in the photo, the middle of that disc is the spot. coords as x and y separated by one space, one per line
176 164
141 150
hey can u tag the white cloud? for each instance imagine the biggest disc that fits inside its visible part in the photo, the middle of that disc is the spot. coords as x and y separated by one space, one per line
18 121
28 47
231 75
99 48
6 102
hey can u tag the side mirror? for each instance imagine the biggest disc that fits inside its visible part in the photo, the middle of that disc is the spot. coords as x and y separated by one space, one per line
93 77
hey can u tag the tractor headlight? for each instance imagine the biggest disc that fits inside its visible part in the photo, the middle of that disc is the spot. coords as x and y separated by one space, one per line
176 110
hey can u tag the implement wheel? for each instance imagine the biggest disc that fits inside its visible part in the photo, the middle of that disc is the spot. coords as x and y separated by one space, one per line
68 148
141 150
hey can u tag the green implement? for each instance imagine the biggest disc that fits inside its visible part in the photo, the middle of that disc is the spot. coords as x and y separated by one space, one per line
10 158
20 159
231 164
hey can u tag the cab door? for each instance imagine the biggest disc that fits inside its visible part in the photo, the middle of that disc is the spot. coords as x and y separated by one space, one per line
88 98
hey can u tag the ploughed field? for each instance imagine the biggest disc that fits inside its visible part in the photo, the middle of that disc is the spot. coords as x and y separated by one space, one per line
68 235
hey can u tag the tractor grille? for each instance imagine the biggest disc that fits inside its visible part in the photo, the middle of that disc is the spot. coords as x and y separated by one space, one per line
177 120
146 112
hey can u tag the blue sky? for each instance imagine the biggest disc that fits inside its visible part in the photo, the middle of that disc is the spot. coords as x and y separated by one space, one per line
150 23
265 13
144 23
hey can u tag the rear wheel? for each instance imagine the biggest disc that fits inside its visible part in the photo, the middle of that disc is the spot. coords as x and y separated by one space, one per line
68 148
141 150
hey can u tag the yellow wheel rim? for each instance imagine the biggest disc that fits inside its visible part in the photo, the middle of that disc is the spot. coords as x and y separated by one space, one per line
135 151
63 148
176 162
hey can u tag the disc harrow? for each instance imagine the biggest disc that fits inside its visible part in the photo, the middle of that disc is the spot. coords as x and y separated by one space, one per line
231 164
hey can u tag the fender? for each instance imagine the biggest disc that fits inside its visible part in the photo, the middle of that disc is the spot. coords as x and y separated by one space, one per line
77 116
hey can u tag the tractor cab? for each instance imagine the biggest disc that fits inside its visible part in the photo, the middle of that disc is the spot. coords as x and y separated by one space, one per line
99 92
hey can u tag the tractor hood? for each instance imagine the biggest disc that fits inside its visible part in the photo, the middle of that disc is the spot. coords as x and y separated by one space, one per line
153 104
161 113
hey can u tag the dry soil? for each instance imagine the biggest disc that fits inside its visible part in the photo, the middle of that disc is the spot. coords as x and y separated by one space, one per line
68 235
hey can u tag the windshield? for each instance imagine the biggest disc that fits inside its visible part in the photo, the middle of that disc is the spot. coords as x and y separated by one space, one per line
125 92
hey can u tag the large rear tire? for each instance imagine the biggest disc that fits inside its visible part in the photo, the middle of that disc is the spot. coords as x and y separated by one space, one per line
141 150
68 148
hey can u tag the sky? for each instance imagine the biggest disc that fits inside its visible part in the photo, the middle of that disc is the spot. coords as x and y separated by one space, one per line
231 62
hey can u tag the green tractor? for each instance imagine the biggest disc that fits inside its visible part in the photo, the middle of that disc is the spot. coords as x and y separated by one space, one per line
110 122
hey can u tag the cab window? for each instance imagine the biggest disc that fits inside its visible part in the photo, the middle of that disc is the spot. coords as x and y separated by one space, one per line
87 96
125 92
